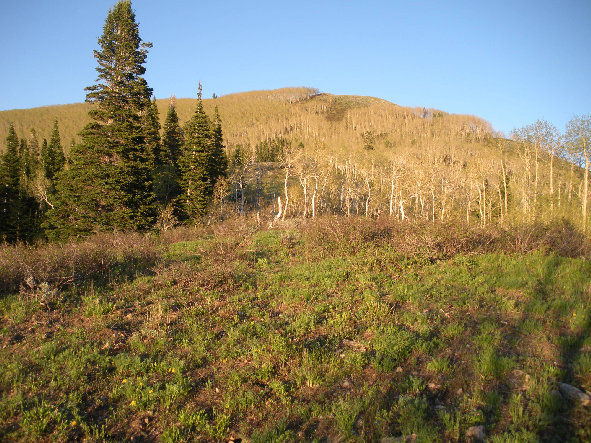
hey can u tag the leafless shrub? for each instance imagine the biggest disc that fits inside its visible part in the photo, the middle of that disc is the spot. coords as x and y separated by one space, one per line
103 256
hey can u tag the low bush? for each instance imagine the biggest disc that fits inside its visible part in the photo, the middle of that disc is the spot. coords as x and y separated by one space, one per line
101 257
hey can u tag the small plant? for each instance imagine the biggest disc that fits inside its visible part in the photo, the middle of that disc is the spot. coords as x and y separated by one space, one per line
439 365
492 365
345 413
452 422
412 418
392 345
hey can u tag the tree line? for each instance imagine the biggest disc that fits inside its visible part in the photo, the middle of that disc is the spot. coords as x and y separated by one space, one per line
538 174
123 175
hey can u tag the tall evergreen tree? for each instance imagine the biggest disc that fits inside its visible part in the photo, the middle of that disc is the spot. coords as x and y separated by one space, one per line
109 184
53 158
152 135
10 190
195 162
24 154
167 186
172 137
218 159
35 152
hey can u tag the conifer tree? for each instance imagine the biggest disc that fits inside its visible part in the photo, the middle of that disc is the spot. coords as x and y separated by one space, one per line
218 160
168 188
53 158
109 183
35 152
10 172
195 162
152 135
172 138
24 154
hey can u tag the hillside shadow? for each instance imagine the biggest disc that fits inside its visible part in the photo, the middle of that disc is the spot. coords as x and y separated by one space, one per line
556 421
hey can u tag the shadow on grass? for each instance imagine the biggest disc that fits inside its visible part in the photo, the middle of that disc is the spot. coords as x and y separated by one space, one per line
557 421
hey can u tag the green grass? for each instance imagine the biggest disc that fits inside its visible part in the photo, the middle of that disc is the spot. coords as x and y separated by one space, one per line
282 335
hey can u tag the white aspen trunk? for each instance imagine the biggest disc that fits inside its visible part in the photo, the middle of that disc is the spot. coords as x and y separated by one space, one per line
480 206
570 182
314 197
552 179
348 202
279 214
484 202
401 203
304 183
242 199
422 205
286 193
432 206
536 181
504 184
368 197
500 205
236 198
585 186
392 197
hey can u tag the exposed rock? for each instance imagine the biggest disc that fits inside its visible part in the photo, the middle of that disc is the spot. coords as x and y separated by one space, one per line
574 394
476 433
433 386
555 395
399 369
346 383
521 380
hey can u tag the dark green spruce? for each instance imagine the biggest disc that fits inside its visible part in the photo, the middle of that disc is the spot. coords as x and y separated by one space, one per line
19 211
52 155
195 163
167 187
109 183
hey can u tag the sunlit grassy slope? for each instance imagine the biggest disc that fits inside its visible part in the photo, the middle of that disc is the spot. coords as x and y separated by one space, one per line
340 329
368 155
299 114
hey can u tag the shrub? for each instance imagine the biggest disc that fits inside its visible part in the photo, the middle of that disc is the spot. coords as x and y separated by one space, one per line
101 257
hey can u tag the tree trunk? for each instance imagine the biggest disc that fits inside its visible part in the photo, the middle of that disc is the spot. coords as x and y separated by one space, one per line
392 197
286 193
314 197
585 187
368 197
552 179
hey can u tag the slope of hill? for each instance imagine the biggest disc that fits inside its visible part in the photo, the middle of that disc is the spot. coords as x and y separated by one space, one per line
301 114
342 329
363 155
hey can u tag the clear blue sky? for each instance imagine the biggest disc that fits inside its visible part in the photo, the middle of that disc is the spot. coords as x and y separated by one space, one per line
509 61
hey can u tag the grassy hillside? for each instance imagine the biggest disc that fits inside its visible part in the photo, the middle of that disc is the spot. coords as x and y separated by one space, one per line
338 329
300 114
363 155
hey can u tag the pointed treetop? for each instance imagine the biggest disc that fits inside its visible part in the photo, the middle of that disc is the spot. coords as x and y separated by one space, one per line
199 91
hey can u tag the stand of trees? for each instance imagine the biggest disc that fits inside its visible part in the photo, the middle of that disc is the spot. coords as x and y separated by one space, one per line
538 174
293 153
122 175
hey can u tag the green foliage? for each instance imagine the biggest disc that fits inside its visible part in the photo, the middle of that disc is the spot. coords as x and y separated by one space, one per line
215 334
52 155
18 208
271 150
109 184
203 161
392 346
